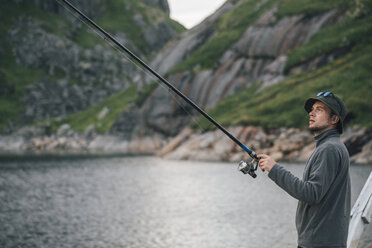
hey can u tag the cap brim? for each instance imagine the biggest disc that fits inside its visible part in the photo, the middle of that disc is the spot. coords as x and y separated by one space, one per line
309 104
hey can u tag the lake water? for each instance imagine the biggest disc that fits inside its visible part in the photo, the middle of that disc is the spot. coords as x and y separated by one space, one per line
146 202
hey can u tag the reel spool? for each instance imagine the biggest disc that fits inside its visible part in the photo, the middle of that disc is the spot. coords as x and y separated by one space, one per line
249 168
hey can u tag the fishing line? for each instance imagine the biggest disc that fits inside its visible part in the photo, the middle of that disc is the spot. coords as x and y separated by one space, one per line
246 168
130 60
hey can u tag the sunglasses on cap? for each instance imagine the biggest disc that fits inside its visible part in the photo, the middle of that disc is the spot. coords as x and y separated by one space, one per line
328 93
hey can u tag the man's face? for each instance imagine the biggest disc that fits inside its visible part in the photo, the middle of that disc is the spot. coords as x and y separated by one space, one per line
320 119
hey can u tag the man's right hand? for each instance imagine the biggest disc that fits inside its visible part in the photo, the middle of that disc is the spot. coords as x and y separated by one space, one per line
266 163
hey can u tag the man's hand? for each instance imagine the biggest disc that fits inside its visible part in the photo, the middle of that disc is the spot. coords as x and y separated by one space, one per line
266 163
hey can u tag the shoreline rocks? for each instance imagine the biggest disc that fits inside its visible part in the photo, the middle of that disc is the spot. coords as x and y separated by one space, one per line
288 145
78 144
283 144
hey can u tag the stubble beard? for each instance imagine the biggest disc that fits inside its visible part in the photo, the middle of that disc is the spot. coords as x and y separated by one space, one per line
318 129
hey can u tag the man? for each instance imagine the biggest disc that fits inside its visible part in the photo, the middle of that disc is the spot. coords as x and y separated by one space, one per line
323 210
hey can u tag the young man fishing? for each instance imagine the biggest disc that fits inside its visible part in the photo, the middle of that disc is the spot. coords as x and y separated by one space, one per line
323 210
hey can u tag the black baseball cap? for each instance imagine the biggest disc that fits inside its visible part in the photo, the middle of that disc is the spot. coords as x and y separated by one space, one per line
333 102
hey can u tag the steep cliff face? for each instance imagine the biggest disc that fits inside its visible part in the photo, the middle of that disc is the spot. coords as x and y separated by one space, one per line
259 55
52 65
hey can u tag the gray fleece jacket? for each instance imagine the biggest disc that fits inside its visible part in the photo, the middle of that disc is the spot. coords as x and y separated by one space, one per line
323 210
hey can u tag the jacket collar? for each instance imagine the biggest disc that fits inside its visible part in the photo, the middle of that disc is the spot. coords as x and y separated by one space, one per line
325 135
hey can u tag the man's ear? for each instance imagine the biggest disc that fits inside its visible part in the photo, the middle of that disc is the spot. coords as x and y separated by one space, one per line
334 119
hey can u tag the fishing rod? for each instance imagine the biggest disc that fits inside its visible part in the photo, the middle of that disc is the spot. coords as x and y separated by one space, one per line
246 168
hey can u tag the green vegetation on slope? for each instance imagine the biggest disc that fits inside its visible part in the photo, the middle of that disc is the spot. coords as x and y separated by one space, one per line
309 7
115 105
14 76
282 104
178 27
120 15
343 35
355 8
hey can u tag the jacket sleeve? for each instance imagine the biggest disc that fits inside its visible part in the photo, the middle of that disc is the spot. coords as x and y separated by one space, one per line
322 172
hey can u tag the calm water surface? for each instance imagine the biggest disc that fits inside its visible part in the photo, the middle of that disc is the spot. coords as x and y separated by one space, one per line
146 202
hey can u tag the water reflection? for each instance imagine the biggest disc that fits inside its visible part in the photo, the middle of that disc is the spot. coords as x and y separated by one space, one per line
145 202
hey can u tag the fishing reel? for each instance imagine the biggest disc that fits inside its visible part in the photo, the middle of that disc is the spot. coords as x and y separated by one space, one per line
249 168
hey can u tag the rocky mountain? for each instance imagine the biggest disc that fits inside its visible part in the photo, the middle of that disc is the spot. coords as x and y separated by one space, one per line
245 43
251 63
